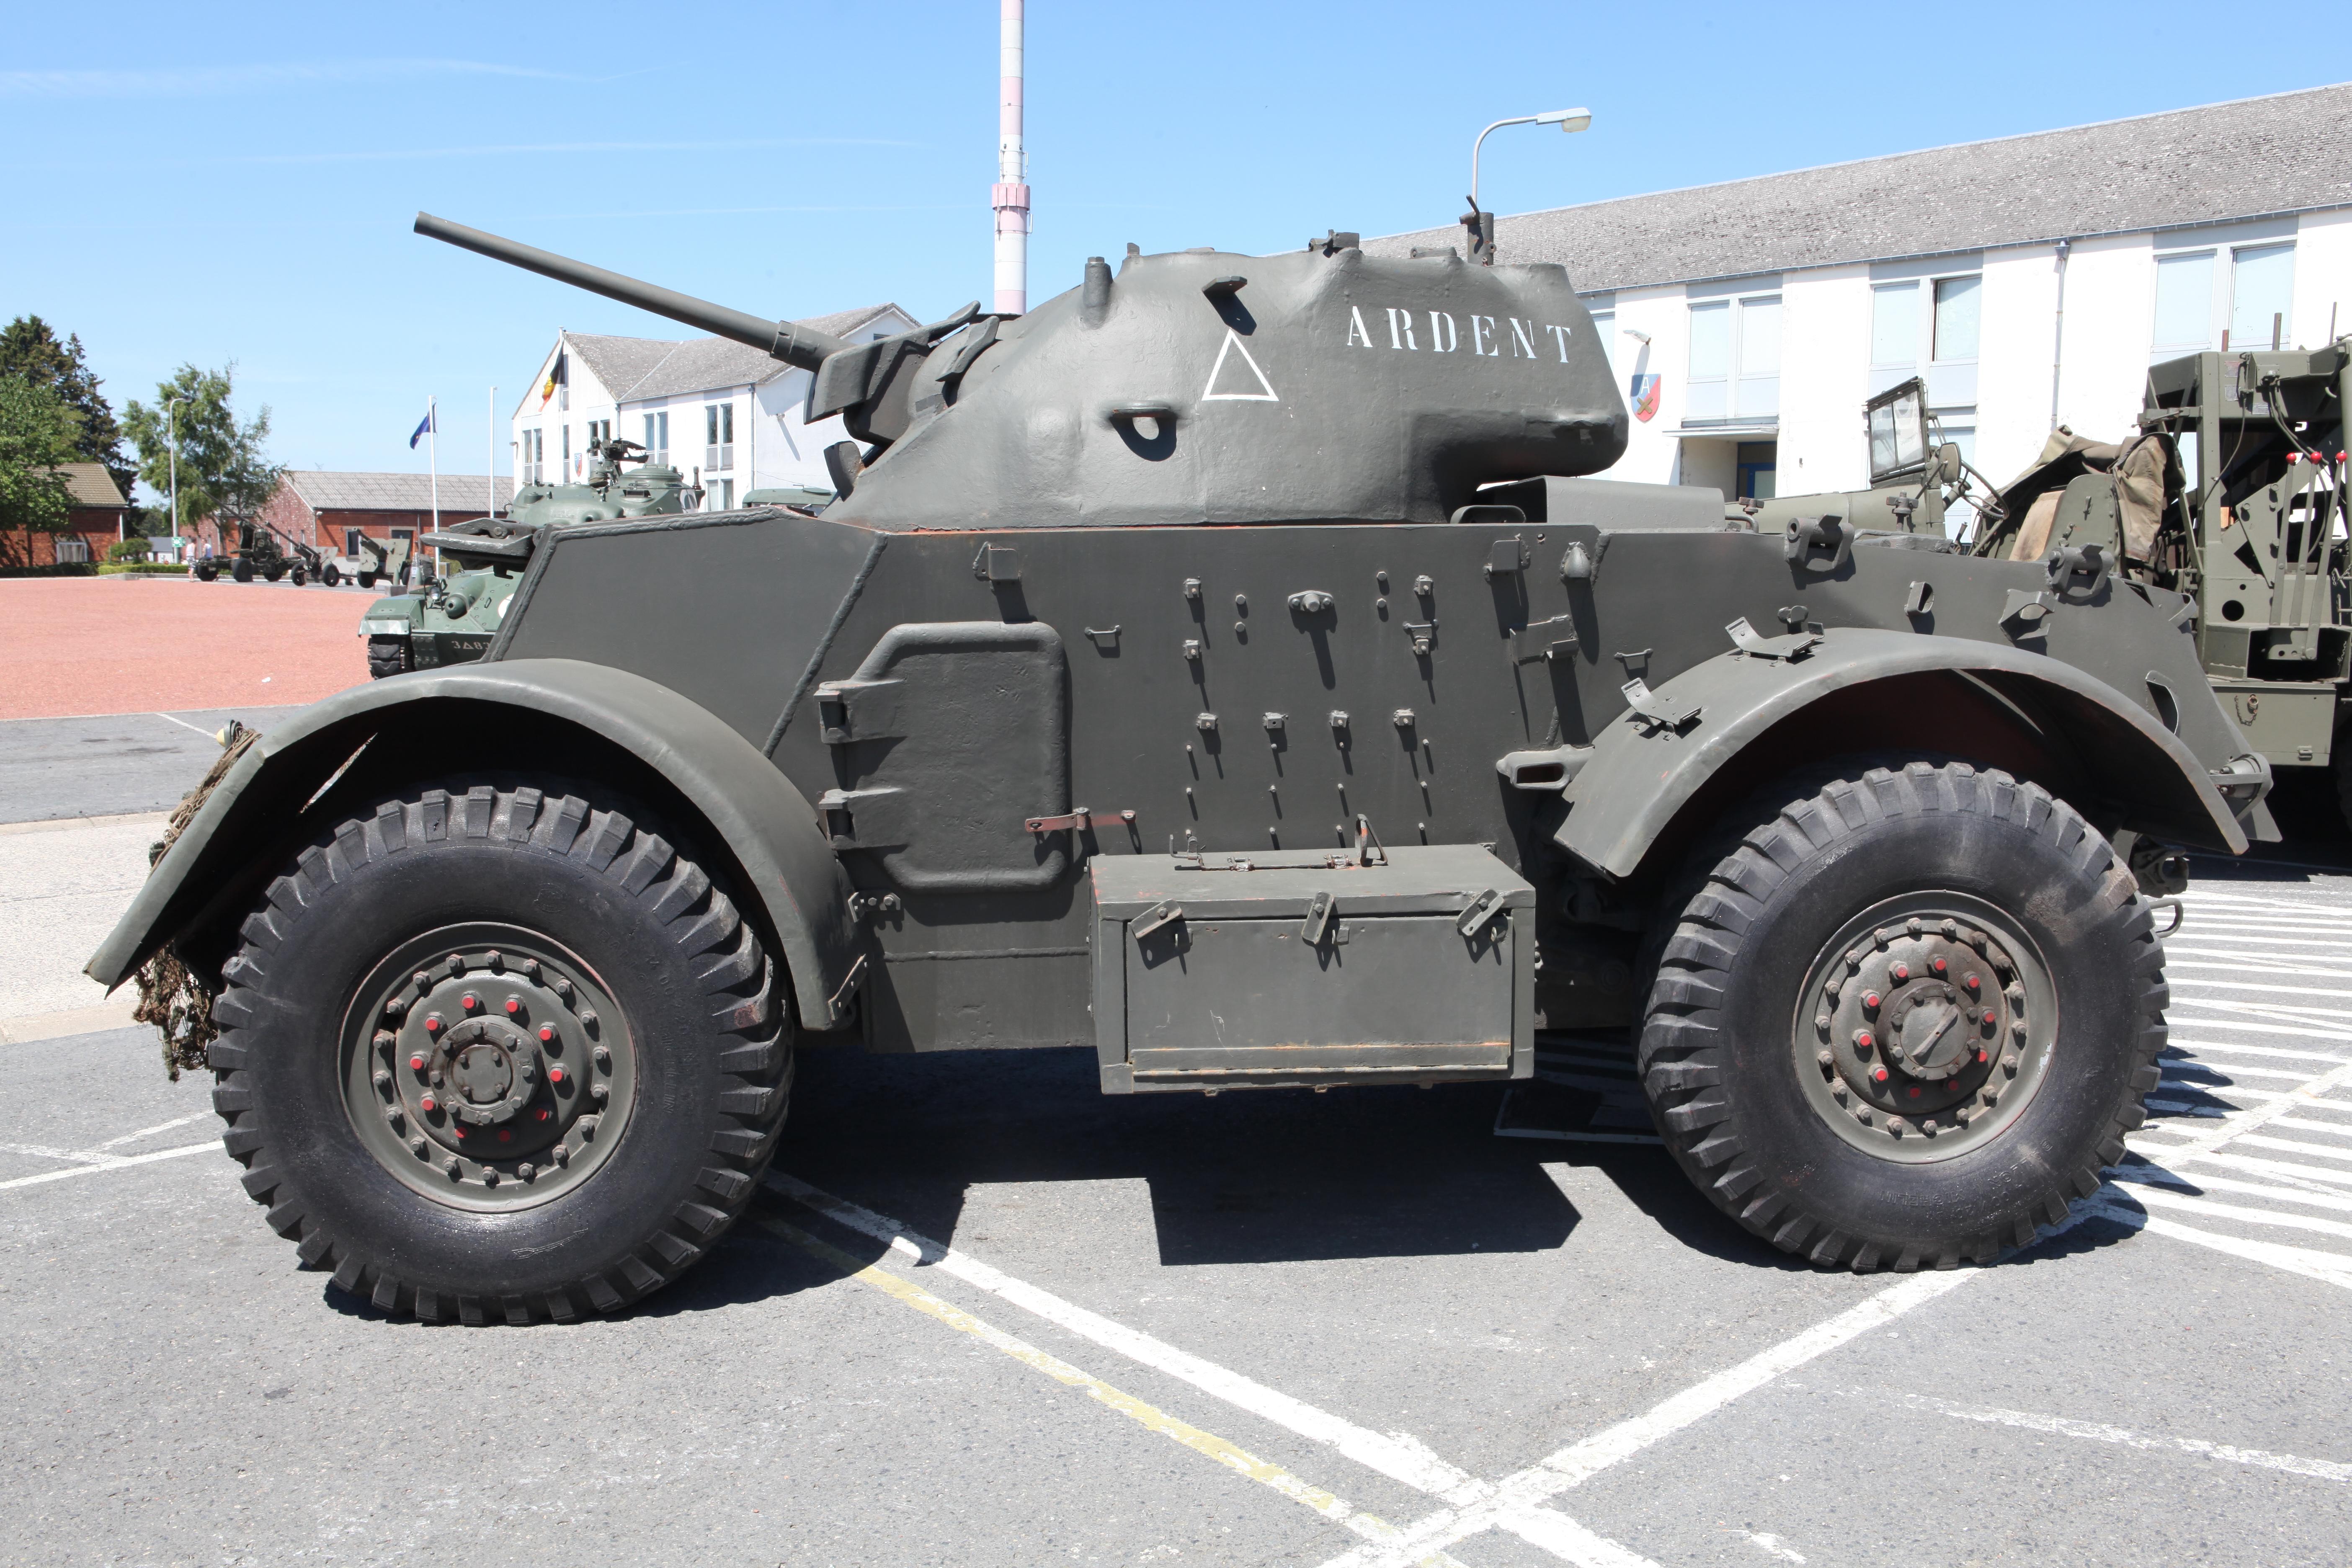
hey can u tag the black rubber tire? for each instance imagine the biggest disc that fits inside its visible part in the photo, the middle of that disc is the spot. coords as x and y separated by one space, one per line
713 1042
274 574
367 579
388 656
242 571
1717 1058
331 575
205 572
301 577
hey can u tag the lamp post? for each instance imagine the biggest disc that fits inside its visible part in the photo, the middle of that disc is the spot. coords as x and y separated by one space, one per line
172 419
1480 222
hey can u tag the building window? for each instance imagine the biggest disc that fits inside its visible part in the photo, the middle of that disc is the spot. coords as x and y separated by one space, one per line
725 495
1956 319
1894 328
534 457
565 454
719 436
351 542
599 432
1735 360
658 437
1604 327
2184 305
2261 288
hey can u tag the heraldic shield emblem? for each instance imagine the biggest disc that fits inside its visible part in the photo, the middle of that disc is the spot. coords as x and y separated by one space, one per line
1644 397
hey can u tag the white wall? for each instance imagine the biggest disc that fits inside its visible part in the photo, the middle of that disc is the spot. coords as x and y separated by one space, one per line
568 411
2110 304
2323 276
1824 380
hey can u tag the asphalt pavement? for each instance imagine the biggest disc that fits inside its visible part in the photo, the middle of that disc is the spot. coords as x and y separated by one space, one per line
983 1314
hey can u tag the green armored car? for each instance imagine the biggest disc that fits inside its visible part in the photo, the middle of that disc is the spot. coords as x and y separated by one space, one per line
451 620
1225 671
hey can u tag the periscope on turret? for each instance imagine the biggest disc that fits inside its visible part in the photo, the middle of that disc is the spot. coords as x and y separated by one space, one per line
1234 669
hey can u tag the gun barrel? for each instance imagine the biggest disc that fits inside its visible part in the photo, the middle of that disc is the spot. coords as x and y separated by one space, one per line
796 346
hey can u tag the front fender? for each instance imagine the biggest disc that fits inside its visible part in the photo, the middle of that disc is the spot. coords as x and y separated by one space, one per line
763 822
1642 774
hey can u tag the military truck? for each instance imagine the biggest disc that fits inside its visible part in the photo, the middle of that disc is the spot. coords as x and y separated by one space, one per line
1917 479
1170 684
451 619
2231 492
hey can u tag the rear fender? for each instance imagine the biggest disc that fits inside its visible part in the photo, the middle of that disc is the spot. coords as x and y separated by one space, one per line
753 810
1644 773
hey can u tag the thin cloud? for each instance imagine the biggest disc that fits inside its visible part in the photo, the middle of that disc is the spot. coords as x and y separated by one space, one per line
215 80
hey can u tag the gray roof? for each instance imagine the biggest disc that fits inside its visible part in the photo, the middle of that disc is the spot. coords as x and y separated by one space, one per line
324 492
90 485
2252 158
633 369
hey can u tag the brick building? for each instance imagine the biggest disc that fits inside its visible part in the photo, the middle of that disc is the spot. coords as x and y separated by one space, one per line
95 524
331 511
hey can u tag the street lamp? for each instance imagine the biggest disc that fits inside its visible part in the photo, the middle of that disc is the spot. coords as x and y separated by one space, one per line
172 415
1481 223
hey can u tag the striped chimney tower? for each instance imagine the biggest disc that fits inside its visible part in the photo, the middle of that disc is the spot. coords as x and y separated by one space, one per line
1010 196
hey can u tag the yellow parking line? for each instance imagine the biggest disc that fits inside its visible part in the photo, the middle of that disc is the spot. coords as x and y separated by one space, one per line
1208 1444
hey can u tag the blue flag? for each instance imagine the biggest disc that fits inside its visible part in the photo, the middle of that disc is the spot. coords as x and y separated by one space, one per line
422 428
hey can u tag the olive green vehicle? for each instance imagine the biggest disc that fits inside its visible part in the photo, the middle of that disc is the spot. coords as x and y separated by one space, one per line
2232 493
261 551
451 619
1227 671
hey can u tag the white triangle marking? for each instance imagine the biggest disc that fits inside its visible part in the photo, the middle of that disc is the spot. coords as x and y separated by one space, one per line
1210 393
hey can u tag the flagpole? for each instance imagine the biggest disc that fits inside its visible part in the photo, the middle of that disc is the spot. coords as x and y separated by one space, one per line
490 450
432 462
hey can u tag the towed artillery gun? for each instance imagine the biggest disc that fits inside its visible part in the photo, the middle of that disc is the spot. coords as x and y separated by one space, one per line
1082 719
261 551
2232 493
451 619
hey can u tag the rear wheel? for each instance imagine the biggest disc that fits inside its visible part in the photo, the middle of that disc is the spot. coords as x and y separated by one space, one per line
500 1055
300 576
205 572
242 571
367 579
330 574
1907 1019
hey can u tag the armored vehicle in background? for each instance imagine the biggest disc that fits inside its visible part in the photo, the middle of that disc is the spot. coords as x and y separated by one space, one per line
1917 481
1171 681
2231 492
450 619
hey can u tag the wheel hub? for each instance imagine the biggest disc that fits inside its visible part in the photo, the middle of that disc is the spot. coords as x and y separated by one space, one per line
1920 1027
489 1067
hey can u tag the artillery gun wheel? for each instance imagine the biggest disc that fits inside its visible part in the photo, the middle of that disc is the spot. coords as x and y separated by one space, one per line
367 579
242 571
301 577
388 656
274 574
1853 1045
498 1054
330 574
205 572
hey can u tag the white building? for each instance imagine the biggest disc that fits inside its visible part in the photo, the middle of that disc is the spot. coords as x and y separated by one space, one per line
726 416
2031 280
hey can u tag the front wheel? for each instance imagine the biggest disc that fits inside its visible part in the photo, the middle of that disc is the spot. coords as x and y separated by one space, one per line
207 572
242 571
388 656
301 577
367 579
1907 1019
500 1055
331 575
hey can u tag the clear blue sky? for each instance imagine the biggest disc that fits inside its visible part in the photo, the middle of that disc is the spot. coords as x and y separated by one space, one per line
212 184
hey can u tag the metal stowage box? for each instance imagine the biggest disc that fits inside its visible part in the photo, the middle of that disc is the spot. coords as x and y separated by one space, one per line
1298 968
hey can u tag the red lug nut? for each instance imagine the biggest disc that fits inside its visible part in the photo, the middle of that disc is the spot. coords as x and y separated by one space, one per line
1980 1056
469 1001
1864 1039
1870 1001
1989 1019
1901 972
1878 1075
429 1103
547 1034
1939 966
555 1075
433 1025
1973 983
514 1004
417 1064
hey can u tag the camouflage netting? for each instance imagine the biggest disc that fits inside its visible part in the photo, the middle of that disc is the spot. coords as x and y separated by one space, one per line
170 997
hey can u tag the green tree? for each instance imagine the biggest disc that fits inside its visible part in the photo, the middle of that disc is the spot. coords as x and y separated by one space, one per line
223 471
28 348
36 433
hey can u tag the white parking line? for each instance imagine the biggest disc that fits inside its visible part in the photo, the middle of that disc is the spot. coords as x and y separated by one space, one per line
151 1132
2328 1267
2059 1426
1397 1455
2165 1197
119 1163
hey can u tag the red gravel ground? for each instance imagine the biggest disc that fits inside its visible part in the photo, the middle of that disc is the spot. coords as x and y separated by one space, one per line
127 645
